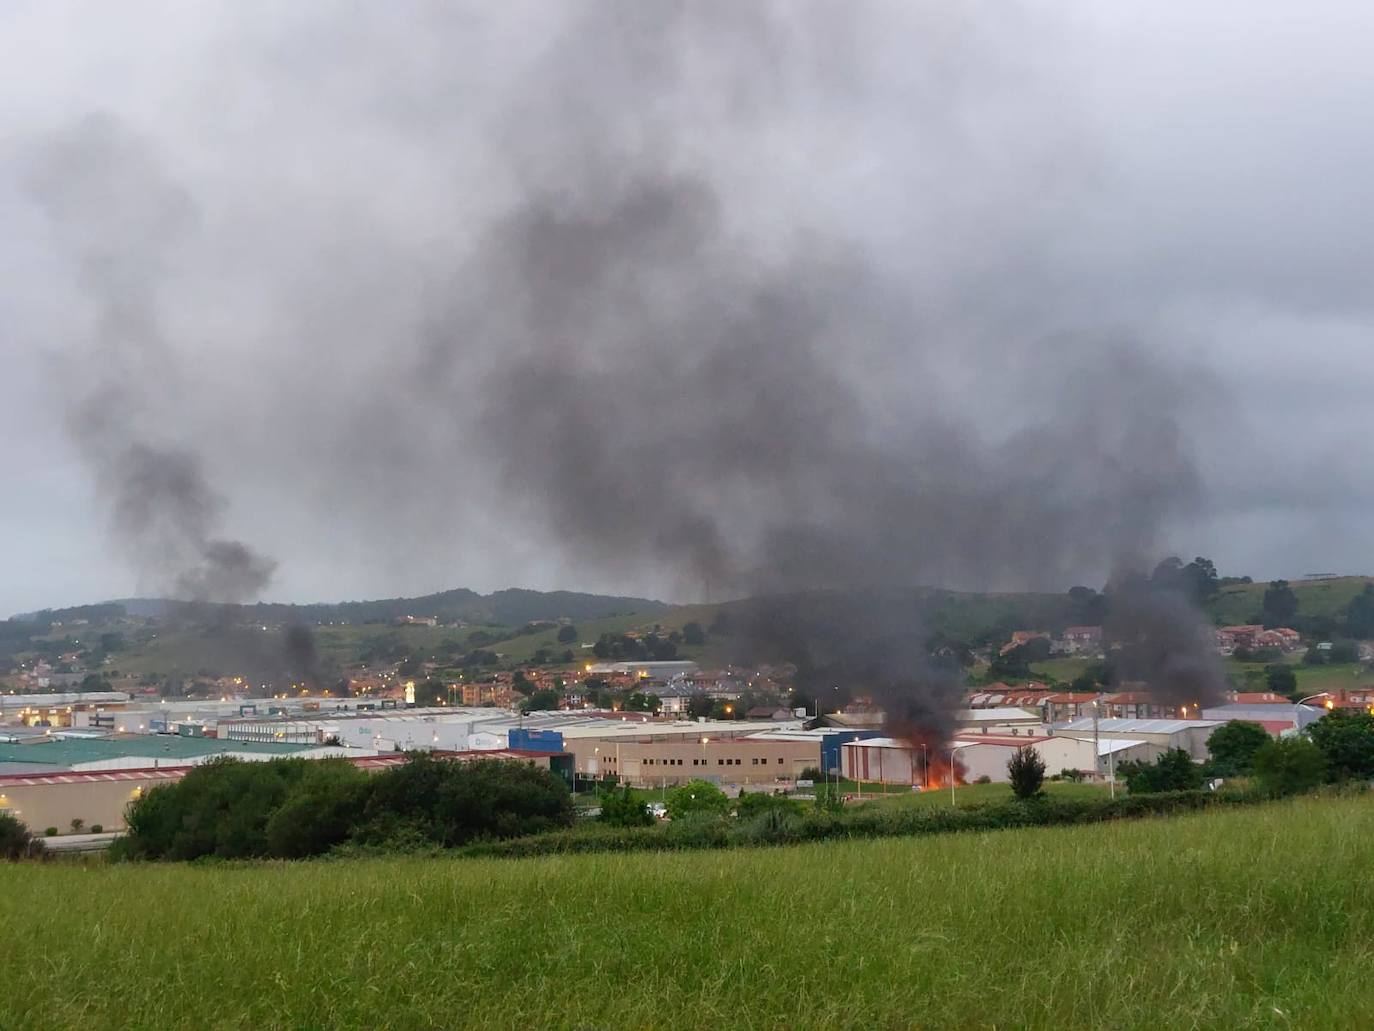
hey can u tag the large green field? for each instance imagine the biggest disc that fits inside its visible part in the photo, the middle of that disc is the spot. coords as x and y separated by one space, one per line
1257 917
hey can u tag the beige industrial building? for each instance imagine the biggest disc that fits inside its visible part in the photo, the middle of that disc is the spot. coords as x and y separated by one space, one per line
725 753
1189 735
97 799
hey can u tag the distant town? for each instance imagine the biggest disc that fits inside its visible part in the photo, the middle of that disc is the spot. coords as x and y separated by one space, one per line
79 738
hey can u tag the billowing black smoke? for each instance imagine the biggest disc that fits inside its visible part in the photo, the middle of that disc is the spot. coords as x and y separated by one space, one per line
675 386
735 299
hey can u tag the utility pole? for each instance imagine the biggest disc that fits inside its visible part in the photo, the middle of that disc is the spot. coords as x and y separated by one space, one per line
952 800
1097 752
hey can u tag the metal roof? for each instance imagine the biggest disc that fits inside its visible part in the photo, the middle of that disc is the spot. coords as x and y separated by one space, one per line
72 751
1118 744
48 777
1125 726
995 715
16 701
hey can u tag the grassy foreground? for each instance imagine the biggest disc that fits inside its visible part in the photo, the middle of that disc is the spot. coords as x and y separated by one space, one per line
1259 917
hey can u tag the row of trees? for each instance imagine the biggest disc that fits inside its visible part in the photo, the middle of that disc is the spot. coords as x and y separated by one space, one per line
292 808
655 647
1338 748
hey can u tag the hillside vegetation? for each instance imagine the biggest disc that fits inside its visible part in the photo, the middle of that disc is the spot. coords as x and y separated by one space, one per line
1239 603
510 607
512 628
1261 917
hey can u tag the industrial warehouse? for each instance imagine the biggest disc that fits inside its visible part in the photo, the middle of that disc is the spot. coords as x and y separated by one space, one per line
78 759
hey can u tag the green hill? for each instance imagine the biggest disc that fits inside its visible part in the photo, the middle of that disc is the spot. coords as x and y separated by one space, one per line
1256 917
1241 603
511 607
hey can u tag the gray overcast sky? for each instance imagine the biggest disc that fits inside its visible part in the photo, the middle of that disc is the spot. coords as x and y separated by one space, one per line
330 229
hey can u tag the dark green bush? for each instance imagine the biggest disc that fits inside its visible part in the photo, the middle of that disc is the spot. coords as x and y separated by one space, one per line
1026 771
1173 770
770 825
320 810
1233 746
1347 740
291 808
624 808
1288 766
452 803
15 840
696 796
221 808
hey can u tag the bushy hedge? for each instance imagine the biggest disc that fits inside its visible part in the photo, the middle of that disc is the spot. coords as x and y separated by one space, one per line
15 840
777 825
292 808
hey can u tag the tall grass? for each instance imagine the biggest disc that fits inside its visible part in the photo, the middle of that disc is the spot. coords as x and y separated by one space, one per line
1254 917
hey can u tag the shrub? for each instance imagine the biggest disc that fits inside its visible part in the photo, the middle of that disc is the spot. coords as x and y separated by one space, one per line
1026 770
1288 766
1347 740
813 774
77 824
451 803
749 807
220 808
1233 746
772 824
15 840
984 779
624 808
1173 770
97 829
294 807
49 832
319 812
697 796
829 797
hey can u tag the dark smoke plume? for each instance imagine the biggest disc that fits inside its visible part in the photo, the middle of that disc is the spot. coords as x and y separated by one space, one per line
736 299
118 219
706 399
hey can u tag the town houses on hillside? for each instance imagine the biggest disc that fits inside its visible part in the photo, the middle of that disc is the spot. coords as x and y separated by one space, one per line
1255 637
1075 640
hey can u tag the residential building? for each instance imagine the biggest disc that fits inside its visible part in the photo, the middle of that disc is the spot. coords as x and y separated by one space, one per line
1081 639
1229 638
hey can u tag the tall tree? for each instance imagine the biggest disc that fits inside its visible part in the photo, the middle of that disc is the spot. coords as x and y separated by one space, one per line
1026 771
1233 746
1359 614
1280 605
